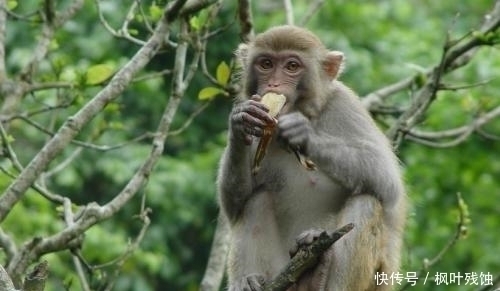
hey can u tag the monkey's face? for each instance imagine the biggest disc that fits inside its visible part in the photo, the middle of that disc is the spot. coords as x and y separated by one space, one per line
279 72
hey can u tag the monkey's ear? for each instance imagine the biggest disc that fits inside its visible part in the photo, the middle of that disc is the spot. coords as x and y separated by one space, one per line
242 54
334 64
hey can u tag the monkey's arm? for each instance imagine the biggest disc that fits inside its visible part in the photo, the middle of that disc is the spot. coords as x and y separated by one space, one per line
361 161
247 119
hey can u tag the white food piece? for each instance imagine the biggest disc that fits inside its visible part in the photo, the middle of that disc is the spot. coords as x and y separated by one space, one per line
274 102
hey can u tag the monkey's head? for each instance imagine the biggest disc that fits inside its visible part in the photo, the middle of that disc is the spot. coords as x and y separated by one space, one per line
291 61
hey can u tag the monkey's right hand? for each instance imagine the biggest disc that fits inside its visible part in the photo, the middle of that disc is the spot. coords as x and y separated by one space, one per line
249 118
252 282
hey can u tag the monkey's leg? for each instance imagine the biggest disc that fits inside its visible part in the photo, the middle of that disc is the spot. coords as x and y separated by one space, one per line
256 253
356 258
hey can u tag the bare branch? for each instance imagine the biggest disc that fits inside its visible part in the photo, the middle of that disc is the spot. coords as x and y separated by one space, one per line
46 36
35 280
495 284
377 97
152 75
123 31
459 134
306 257
463 87
103 148
289 12
62 165
460 232
49 85
452 53
313 8
8 245
246 20
214 272
193 6
3 25
5 281
190 119
173 9
74 124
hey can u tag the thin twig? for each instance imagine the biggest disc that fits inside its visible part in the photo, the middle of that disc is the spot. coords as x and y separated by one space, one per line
312 9
460 231
190 119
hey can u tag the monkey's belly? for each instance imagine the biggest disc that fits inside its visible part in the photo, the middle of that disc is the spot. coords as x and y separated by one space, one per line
302 199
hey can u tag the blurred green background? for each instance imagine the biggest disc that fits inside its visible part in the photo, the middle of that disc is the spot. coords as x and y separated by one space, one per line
383 40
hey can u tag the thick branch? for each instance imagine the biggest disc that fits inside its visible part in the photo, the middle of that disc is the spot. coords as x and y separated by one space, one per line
214 272
5 281
246 20
306 257
35 281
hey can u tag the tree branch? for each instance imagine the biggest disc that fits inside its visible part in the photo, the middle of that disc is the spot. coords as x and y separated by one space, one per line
94 213
454 53
460 232
3 25
74 124
246 20
306 257
289 12
312 9
216 265
5 281
459 134
35 281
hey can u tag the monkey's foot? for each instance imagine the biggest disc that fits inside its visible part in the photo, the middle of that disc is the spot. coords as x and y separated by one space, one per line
252 282
305 238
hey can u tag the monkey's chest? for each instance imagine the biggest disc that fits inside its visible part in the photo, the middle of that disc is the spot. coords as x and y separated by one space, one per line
296 191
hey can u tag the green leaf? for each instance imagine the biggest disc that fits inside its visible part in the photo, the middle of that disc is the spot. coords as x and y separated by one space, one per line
98 74
10 139
195 23
223 73
132 31
209 92
155 12
11 4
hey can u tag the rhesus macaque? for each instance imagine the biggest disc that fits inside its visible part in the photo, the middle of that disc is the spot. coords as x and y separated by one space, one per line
284 204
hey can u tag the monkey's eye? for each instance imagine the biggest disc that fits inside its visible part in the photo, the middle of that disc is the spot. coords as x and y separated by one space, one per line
266 64
292 66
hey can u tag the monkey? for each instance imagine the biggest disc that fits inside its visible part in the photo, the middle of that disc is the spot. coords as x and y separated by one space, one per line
357 178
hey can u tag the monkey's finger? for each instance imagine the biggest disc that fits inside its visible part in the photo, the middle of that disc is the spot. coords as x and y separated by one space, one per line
292 120
260 111
247 120
256 97
255 131
255 282
308 236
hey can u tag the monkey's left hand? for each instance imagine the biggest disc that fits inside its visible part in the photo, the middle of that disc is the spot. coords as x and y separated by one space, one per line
295 129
